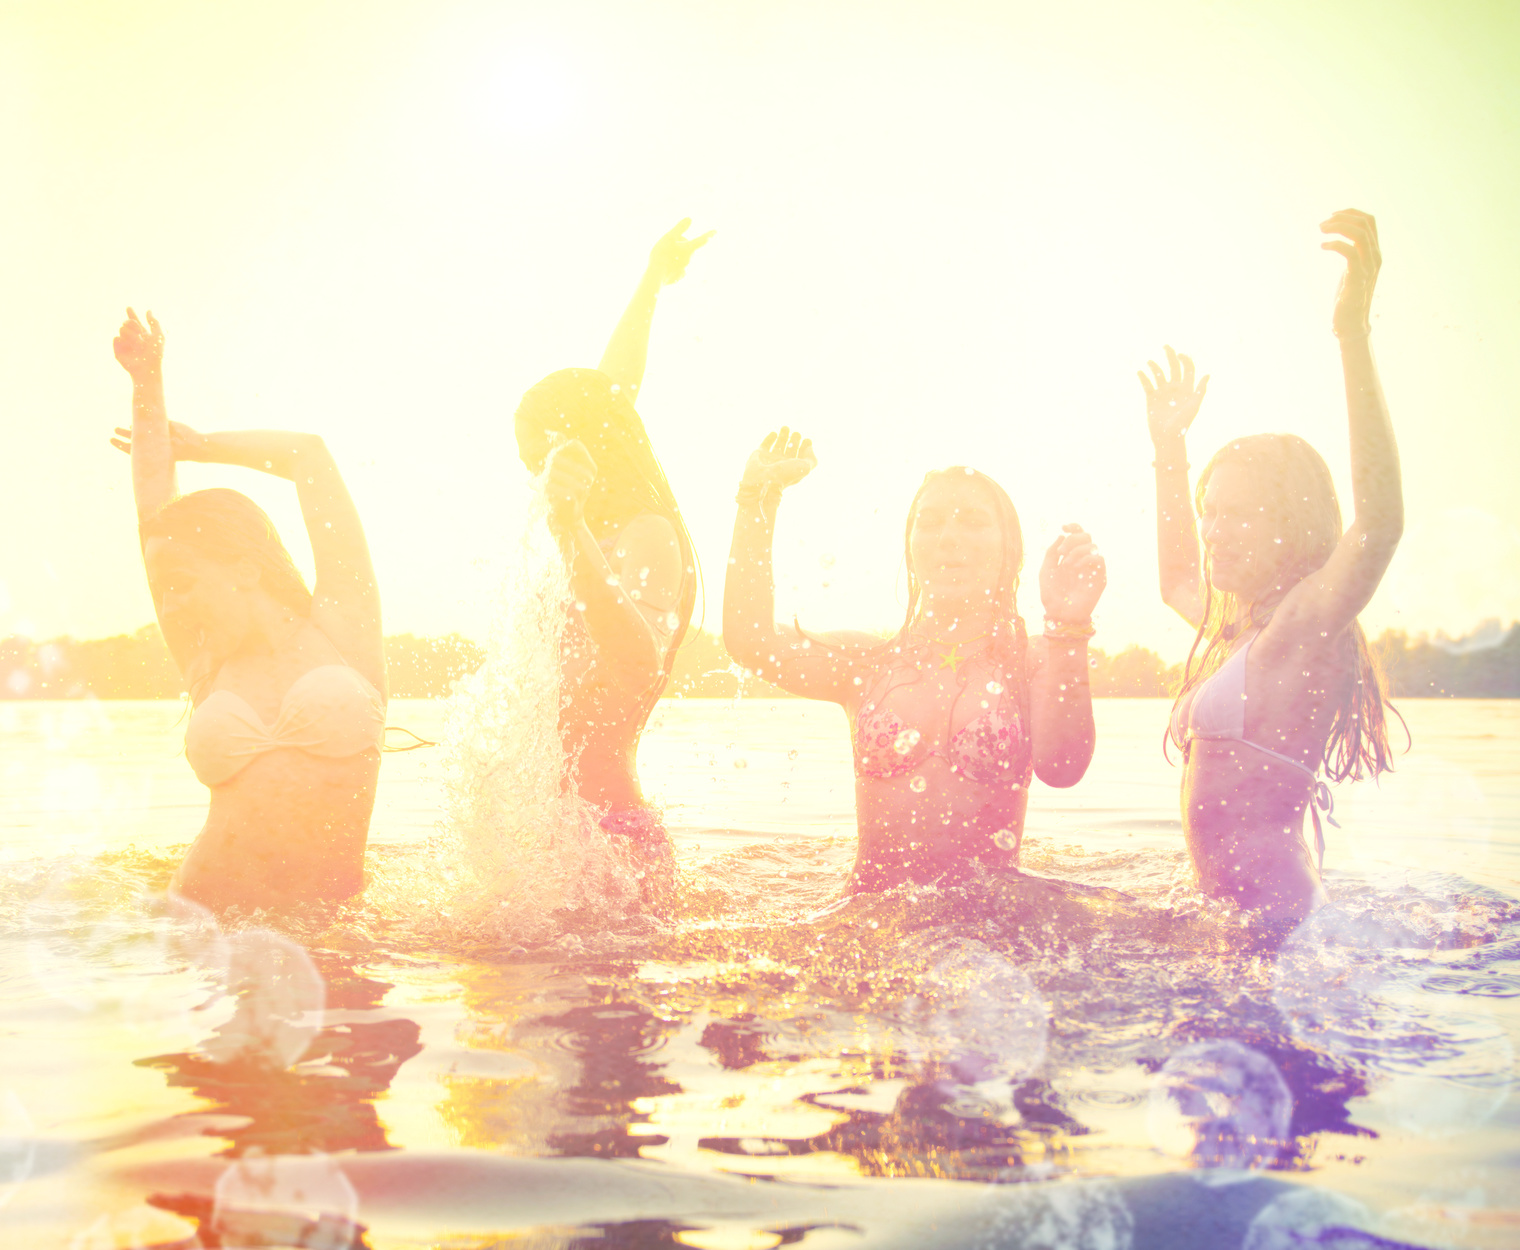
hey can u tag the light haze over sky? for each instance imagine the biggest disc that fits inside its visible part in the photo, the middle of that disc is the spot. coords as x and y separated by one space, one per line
946 233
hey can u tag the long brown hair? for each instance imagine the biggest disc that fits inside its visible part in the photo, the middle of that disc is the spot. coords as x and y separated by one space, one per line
1304 515
227 526
588 405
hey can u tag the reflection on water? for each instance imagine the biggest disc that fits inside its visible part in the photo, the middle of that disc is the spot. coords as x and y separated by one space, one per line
1010 1033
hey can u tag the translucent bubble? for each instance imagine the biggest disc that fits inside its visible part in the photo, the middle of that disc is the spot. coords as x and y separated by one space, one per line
1356 983
1309 1217
286 1200
906 741
18 1145
139 1228
1220 1104
279 997
981 1014
143 957
919 784
1083 1215
1006 839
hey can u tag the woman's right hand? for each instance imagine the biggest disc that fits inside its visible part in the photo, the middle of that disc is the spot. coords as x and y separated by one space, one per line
139 348
1172 402
783 459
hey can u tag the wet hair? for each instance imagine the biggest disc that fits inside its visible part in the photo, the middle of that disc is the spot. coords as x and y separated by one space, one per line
227 526
587 405
1009 644
1302 511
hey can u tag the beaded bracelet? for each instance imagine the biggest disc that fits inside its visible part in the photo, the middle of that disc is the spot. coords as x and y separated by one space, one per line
1069 631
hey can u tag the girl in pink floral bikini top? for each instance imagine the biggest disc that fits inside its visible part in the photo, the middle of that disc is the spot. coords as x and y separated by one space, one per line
993 749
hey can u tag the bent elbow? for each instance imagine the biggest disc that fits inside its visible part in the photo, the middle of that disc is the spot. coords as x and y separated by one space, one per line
1062 774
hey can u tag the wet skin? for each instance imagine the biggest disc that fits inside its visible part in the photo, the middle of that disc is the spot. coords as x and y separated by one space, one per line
1243 813
290 827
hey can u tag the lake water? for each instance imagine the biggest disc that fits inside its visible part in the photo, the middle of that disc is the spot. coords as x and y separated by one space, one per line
1017 1063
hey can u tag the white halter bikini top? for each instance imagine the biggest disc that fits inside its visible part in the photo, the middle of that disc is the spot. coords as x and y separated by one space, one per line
1215 710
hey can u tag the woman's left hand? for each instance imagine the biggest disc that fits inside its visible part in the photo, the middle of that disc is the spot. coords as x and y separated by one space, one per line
670 256
1353 302
184 443
1072 577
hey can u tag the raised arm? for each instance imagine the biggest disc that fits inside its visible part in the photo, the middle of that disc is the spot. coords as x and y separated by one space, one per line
345 600
628 348
140 351
815 669
627 602
1331 597
1072 578
1171 404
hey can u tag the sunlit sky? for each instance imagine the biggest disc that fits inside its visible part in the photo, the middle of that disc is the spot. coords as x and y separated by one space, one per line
946 233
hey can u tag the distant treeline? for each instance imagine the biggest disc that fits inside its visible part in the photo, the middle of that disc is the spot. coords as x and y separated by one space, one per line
1483 665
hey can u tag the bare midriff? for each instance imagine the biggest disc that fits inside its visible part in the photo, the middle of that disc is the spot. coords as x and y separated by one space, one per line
289 828
600 728
933 832
1243 818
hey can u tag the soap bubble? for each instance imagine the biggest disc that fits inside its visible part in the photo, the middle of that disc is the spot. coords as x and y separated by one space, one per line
142 956
919 784
1309 1217
286 1200
1006 839
906 741
279 996
1221 1104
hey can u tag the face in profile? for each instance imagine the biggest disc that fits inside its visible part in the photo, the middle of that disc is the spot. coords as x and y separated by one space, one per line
201 600
955 543
1241 533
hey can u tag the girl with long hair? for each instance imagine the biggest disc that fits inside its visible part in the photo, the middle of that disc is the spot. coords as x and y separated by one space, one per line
287 684
953 714
1280 690
631 561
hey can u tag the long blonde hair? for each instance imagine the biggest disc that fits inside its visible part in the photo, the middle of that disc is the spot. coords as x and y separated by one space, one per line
1305 517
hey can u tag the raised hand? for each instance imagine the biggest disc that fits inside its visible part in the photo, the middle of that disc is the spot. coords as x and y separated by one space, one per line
140 349
783 459
670 256
1172 402
569 475
1072 576
184 443
1359 245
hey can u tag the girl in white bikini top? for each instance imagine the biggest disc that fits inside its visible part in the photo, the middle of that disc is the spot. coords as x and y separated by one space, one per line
1215 710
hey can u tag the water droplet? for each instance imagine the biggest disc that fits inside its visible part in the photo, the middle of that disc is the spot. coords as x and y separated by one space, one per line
741 762
1006 839
826 560
792 754
994 687
906 741
918 785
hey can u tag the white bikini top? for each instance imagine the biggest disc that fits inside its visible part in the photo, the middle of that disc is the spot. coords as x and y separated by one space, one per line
1215 710
331 711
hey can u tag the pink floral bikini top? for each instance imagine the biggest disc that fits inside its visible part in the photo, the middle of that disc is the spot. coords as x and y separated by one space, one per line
992 750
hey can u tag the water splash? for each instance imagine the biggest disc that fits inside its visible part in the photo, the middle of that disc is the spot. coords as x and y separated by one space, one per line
521 857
